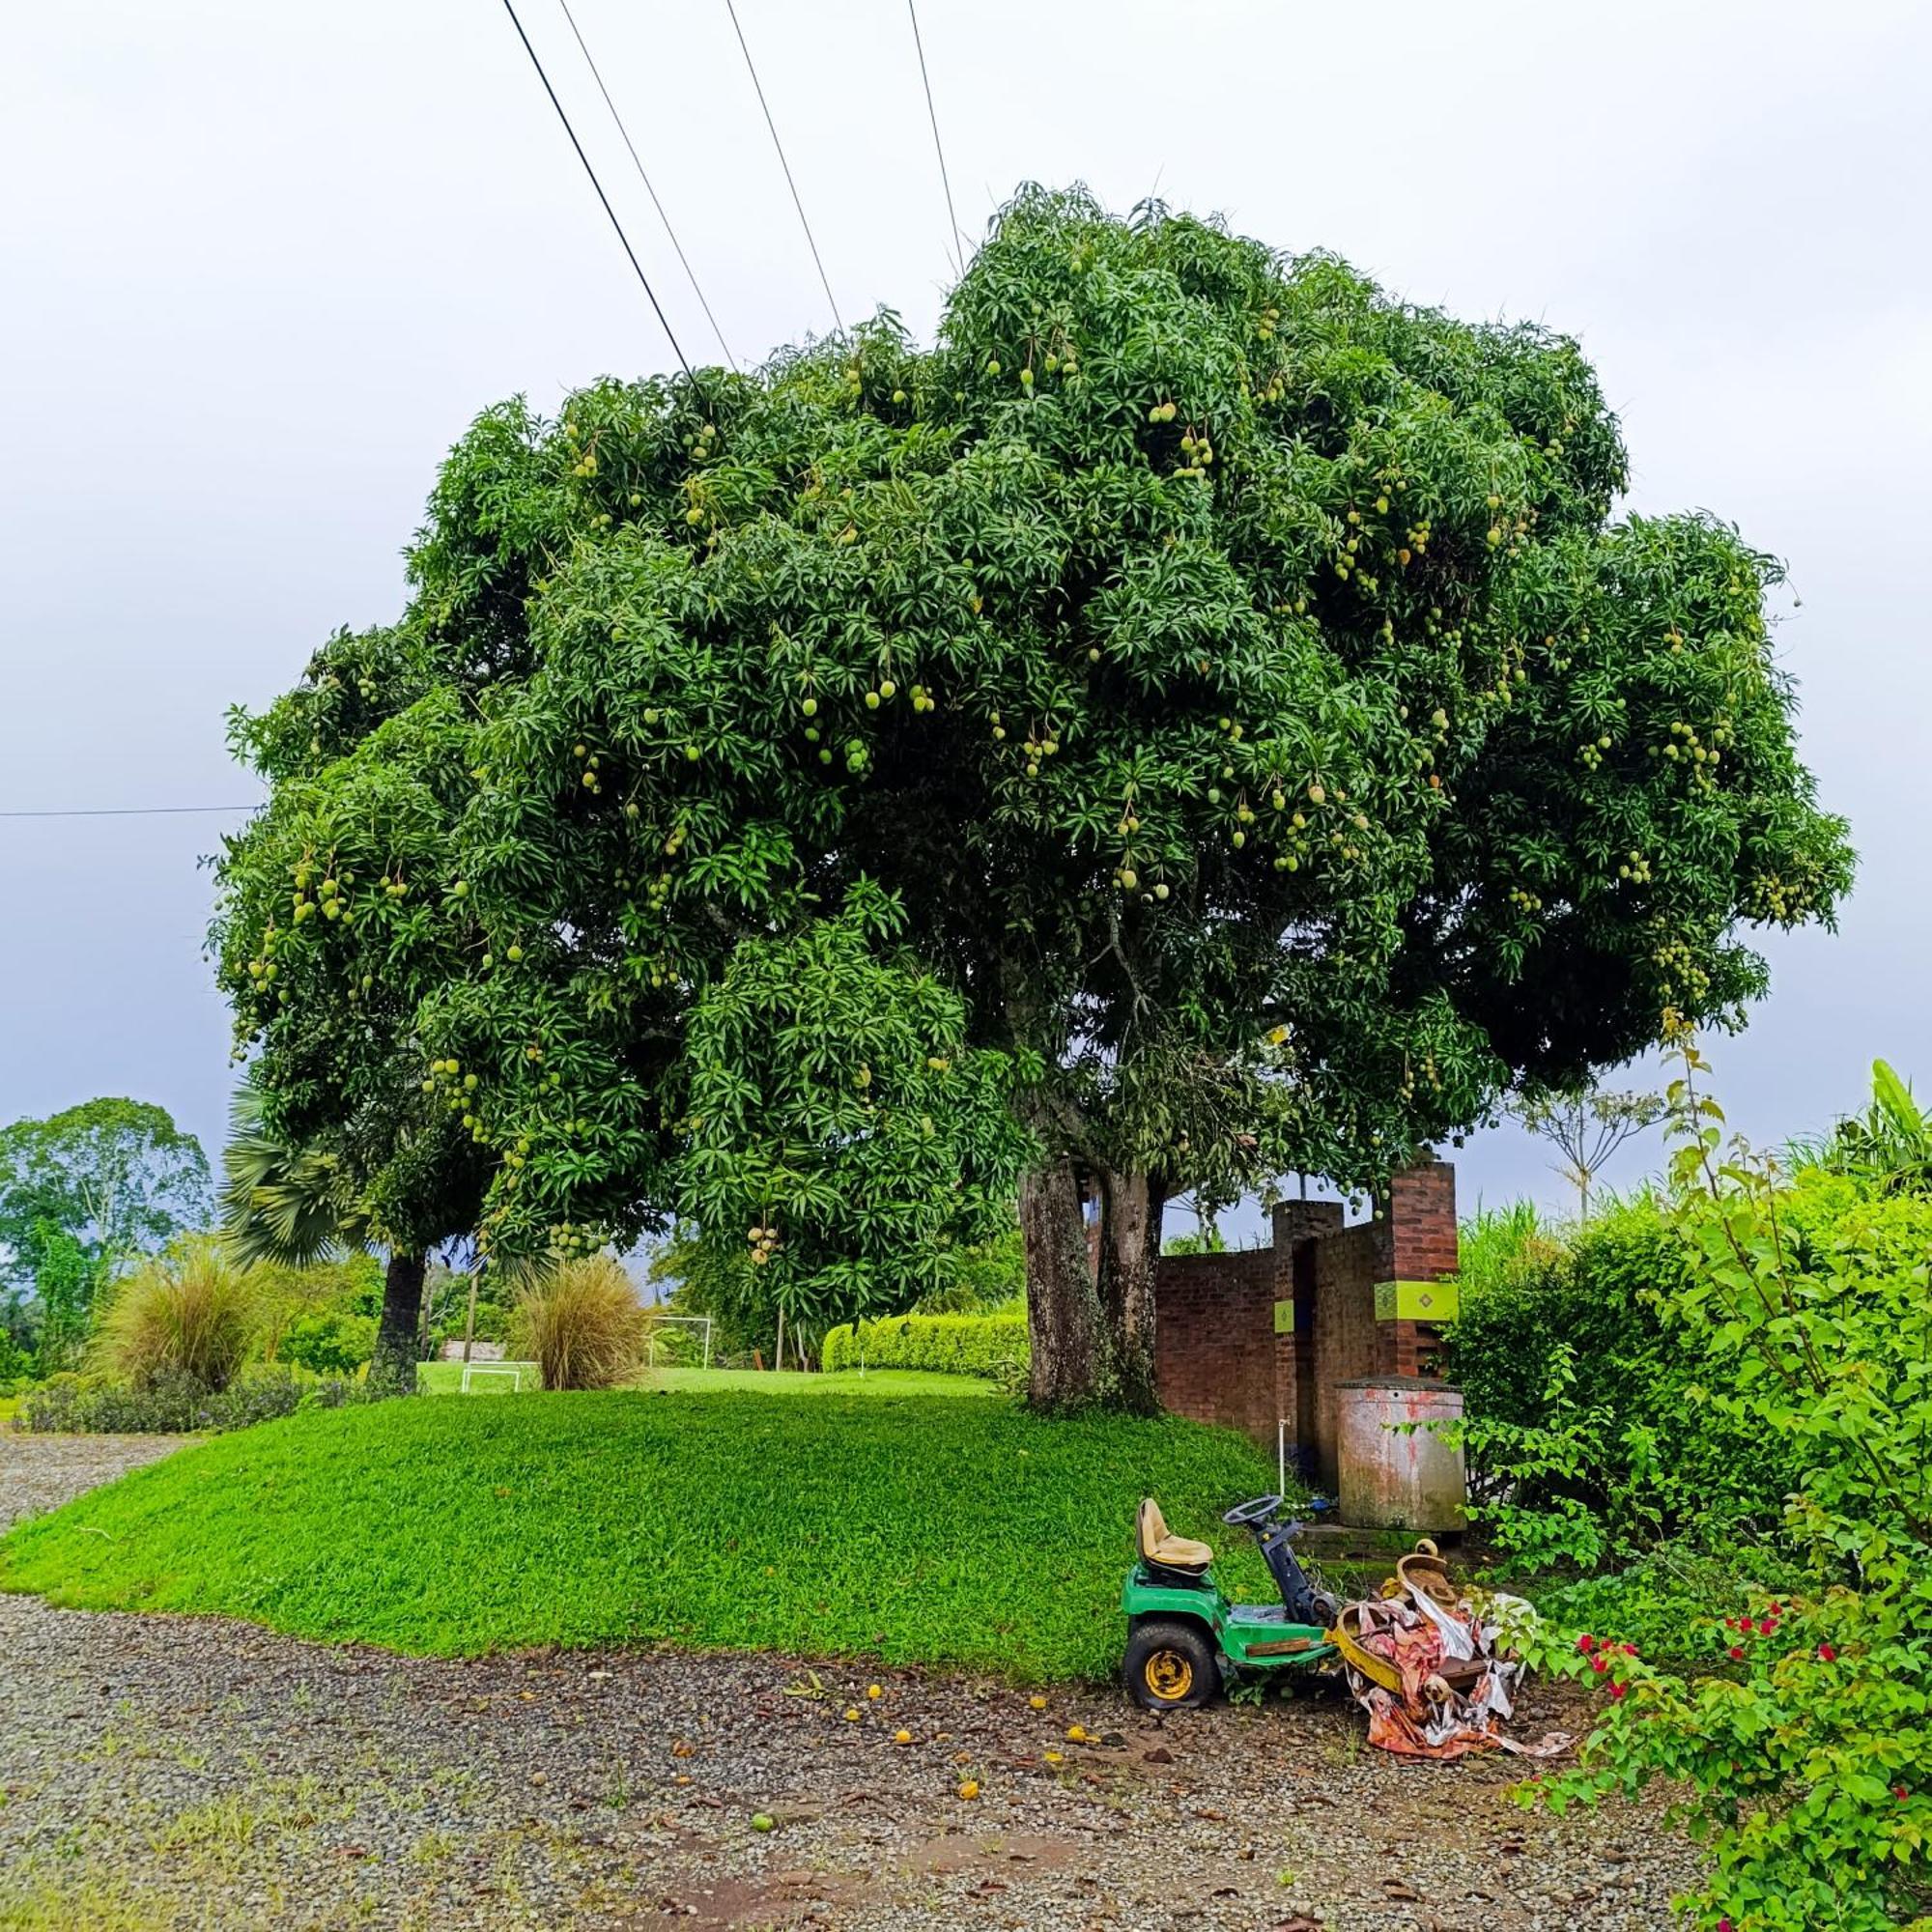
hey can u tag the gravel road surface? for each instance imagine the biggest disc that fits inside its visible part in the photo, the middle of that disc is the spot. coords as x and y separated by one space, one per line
192 1772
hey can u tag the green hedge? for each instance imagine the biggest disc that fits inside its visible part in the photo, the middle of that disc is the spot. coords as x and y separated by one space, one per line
953 1345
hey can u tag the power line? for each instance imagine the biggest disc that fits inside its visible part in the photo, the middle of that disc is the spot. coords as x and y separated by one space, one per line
656 305
752 68
932 115
690 274
132 811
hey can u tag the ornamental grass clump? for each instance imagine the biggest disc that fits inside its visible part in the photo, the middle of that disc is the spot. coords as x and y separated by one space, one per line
583 1324
190 1313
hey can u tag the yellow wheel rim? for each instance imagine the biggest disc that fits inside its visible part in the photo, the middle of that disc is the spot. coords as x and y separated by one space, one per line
1169 1674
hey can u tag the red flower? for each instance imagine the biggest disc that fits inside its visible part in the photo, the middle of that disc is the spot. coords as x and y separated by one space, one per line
1899 1792
1778 1609
1735 1653
1599 1665
1746 1625
1586 1643
1617 1690
1630 1650
1723 1925
1730 1623
1826 1652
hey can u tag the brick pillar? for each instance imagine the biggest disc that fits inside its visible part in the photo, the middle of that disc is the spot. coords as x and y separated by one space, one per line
1417 1246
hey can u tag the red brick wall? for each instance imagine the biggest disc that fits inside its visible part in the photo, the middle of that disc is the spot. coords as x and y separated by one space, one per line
1218 1356
1421 1223
1214 1338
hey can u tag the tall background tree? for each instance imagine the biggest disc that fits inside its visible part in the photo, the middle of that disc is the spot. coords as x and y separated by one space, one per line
82 1193
1235 680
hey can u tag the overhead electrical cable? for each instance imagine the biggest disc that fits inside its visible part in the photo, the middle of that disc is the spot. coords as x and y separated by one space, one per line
689 274
751 67
131 810
938 147
656 305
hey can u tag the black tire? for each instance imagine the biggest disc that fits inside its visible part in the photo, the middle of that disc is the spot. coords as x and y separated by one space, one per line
1171 1664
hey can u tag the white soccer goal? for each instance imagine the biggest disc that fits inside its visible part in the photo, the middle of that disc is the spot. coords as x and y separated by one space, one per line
516 1370
687 1321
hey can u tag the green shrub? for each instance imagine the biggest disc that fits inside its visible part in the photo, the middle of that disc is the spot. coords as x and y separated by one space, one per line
352 1288
583 1324
958 1345
1591 1430
172 1404
329 1342
1806 1761
190 1312
15 1364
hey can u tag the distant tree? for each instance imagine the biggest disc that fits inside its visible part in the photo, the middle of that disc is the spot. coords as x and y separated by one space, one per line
84 1192
1586 1128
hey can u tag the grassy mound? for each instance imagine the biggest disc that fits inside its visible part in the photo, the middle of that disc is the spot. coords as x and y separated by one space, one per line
917 1530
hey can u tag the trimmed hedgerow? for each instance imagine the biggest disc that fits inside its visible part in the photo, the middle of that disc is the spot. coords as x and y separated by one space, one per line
960 1344
917 1530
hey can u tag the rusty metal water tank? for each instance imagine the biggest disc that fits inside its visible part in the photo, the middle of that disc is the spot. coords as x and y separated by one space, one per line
1392 1476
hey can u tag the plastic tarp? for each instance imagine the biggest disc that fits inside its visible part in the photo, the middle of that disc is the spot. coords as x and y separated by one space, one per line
1457 1688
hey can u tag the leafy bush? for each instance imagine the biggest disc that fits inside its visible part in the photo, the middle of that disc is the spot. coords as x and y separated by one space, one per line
959 1345
583 1324
986 1275
173 1404
1591 1431
330 1343
1809 1763
190 1313
352 1288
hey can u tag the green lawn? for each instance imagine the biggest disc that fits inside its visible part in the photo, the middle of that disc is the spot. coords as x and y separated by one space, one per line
913 1529
447 1379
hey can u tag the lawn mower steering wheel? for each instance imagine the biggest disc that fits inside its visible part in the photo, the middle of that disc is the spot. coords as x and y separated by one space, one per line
1246 1516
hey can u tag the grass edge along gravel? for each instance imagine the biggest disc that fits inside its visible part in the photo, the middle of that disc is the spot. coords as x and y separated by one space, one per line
971 1535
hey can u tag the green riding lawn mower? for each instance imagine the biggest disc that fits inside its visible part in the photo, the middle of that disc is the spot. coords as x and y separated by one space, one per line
1186 1639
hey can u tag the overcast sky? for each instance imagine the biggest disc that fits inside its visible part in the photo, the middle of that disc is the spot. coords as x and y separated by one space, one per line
262 263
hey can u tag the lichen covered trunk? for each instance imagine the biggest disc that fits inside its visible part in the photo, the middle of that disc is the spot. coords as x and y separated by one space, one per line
1063 1303
1129 1247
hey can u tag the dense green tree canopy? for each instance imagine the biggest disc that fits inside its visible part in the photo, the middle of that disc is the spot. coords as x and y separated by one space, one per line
117 1178
1236 678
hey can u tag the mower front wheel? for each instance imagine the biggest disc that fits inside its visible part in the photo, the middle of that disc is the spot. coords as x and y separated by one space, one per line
1171 1664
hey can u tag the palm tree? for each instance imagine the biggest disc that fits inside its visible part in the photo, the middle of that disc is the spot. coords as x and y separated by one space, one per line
293 1205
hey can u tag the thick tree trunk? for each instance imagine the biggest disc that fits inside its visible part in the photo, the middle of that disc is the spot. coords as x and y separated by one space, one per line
1129 1247
1063 1303
393 1370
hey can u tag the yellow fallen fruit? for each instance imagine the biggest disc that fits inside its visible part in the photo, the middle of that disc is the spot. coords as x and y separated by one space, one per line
1054 1757
852 1713
874 1690
1076 1734
969 1789
902 1737
1035 1703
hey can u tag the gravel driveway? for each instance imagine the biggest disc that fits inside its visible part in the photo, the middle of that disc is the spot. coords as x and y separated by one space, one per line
161 1771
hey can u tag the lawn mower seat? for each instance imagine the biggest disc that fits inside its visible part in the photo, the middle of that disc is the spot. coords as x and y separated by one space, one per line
1162 1550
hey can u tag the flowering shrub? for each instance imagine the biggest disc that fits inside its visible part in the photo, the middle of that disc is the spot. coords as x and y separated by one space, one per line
1808 1752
